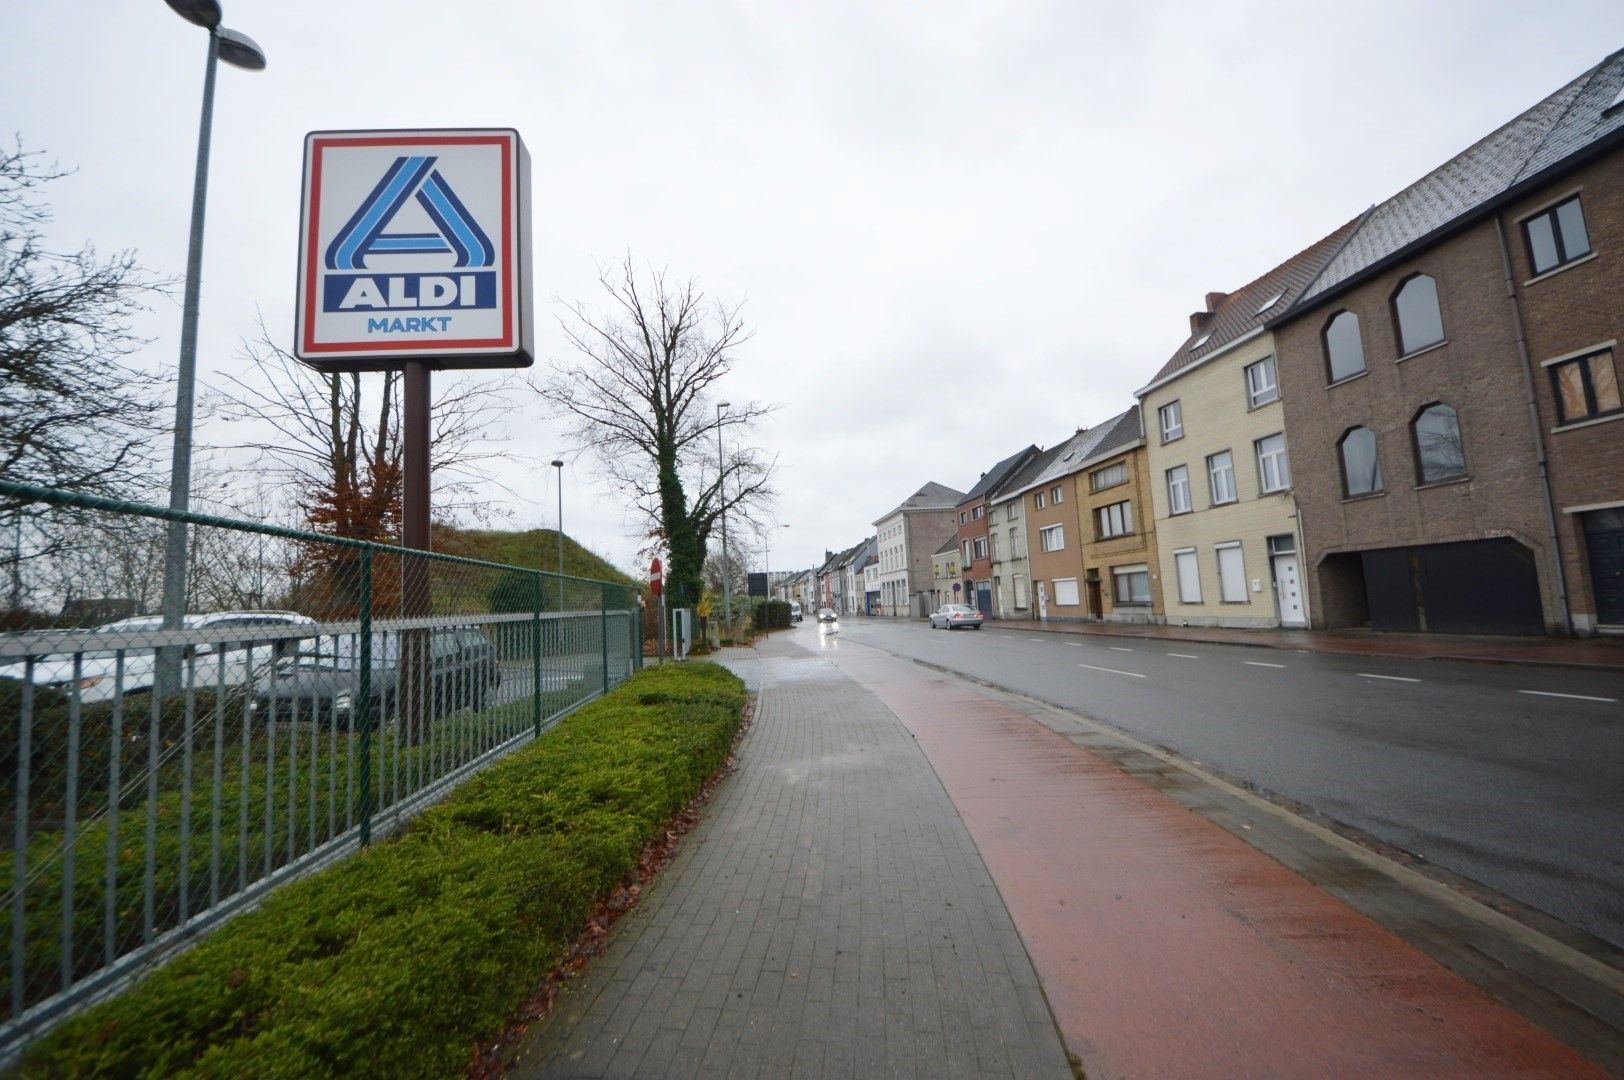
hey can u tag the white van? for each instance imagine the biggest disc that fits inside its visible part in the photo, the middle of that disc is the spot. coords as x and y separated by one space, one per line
794 611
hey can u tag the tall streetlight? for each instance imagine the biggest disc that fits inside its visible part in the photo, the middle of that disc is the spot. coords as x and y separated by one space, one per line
558 469
721 501
767 554
240 51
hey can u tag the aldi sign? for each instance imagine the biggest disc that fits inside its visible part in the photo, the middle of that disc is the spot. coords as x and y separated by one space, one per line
414 245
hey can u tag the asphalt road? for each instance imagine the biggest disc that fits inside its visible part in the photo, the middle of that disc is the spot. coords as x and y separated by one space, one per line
1512 776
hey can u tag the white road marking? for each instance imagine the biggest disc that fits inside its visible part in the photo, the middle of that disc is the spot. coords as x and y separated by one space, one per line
1006 635
1112 670
1119 648
1389 678
1261 663
1575 697
1037 639
1184 655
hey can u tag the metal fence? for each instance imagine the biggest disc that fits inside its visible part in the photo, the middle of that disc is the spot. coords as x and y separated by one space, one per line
160 779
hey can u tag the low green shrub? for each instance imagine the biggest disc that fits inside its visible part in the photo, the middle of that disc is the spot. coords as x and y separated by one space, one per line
395 961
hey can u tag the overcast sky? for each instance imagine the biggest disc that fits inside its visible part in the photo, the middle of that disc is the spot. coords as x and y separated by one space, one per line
959 227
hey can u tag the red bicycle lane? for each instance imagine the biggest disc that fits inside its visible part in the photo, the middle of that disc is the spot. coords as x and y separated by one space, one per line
1169 947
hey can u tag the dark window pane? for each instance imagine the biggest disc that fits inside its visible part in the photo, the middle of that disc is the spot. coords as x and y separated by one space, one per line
1570 219
1419 323
1345 348
1604 381
1437 444
1359 462
1541 243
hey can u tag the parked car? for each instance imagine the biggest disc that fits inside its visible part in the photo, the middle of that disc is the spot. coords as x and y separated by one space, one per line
953 616
827 615
222 659
323 678
794 611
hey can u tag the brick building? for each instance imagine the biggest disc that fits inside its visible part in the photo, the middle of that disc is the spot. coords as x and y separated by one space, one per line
975 557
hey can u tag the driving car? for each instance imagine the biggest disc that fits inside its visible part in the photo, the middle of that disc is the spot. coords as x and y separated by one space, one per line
827 615
953 616
322 679
794 611
124 654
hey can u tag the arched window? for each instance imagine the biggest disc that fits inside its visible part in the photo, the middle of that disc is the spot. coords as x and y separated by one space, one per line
1361 469
1415 310
1438 451
1344 349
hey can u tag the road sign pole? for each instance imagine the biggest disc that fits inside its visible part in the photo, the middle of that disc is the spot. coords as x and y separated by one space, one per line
416 709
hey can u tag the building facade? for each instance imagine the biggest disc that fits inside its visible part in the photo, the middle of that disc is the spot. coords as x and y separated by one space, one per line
905 540
1054 545
1006 540
975 544
1122 580
946 588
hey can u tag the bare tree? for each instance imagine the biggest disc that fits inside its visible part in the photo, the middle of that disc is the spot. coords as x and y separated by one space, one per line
334 440
641 395
73 413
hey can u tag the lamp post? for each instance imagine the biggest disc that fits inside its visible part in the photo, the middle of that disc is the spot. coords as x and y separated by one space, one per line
721 501
558 470
240 51
767 554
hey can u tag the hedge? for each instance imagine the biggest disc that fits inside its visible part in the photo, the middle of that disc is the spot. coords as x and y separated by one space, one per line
397 960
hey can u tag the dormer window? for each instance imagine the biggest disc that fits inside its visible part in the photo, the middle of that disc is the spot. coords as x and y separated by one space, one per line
1271 301
1200 341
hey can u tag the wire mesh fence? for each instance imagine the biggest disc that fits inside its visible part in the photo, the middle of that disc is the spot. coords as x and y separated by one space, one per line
162 774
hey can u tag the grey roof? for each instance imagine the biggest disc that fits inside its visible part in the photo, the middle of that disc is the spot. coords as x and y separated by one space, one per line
1068 455
998 473
950 544
1501 165
932 496
1022 478
1125 431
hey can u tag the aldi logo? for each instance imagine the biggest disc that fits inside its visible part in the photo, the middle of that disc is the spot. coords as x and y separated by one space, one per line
414 244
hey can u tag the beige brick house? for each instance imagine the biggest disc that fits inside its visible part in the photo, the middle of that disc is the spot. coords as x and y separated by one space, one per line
1122 580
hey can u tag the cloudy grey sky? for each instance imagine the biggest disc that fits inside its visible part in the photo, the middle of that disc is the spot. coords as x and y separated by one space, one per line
959 227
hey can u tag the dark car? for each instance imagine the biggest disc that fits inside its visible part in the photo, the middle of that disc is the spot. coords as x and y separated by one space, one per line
323 679
827 615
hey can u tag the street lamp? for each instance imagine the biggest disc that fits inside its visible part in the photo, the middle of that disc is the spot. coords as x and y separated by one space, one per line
721 501
240 51
767 554
558 467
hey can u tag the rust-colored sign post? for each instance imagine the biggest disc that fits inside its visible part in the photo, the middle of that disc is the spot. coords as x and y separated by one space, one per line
417 697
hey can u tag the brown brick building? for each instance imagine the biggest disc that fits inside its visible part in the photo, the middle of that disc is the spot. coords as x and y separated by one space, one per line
975 557
1449 385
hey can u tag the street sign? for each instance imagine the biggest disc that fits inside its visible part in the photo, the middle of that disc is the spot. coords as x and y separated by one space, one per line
656 576
414 245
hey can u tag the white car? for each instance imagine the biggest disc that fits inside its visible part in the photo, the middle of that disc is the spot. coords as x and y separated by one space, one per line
794 611
220 654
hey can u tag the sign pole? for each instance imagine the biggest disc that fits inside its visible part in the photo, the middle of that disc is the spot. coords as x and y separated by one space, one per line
414 519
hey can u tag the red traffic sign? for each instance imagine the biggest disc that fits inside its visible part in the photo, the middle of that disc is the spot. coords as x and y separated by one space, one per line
656 576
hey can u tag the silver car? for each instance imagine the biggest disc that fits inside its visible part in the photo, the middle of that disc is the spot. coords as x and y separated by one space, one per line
953 616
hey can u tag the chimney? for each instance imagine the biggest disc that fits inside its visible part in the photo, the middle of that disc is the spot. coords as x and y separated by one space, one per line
1199 321
1214 299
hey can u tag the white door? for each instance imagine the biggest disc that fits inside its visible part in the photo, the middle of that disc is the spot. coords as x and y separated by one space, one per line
1043 600
1289 590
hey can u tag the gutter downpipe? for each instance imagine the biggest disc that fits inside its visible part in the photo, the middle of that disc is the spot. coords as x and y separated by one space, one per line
1533 417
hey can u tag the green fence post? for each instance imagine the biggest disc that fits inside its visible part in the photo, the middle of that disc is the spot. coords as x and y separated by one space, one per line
365 690
535 651
603 634
634 616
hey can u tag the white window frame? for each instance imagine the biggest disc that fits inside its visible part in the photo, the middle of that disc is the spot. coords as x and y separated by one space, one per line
1056 496
1064 587
1118 573
1275 462
1175 412
981 548
1052 538
1259 392
1187 559
1228 472
1220 551
1037 501
1112 525
1176 485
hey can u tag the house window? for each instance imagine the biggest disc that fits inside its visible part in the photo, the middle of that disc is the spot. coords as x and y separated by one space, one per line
1231 574
1361 468
1052 538
1065 592
961 517
1557 236
1114 520
1132 584
981 547
1020 590
1037 501
1055 497
1172 421
1178 489
1015 544
1344 349
1261 387
1438 451
1273 470
1586 386
967 551
1110 476
978 512
1221 477
1188 569
1415 310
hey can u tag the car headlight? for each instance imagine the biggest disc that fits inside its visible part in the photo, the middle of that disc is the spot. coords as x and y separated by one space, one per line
342 702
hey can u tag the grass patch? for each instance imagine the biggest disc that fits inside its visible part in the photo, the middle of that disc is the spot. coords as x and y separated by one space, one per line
397 960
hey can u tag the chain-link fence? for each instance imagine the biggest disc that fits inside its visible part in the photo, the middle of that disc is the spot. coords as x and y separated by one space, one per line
164 774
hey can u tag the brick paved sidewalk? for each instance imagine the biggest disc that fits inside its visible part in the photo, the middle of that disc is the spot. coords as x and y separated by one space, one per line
829 916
